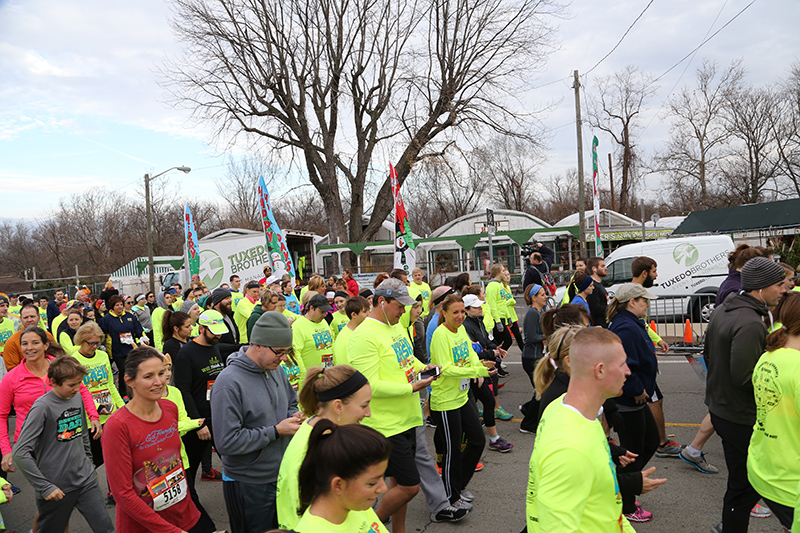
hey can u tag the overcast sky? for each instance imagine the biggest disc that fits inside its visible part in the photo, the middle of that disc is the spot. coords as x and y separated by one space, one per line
80 104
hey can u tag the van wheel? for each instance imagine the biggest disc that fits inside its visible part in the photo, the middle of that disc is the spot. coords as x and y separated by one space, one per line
703 307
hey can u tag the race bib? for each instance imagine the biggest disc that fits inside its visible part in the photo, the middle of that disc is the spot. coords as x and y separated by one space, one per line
209 384
464 384
126 338
169 489
411 376
102 397
327 360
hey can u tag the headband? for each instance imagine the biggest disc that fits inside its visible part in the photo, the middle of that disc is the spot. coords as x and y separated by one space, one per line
344 389
441 297
583 286
535 290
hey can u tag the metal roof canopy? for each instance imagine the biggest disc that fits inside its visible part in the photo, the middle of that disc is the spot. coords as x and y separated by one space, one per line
751 217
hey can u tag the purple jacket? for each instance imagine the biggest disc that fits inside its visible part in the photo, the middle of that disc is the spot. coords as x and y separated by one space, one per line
733 283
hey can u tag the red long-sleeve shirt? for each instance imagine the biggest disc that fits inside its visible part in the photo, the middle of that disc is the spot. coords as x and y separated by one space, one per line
136 453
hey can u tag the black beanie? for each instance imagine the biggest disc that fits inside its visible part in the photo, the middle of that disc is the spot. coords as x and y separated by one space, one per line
760 273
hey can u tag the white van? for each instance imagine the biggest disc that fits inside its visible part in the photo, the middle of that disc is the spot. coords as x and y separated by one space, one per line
690 270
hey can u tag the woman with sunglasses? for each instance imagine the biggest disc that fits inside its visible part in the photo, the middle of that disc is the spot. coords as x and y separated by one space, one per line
99 380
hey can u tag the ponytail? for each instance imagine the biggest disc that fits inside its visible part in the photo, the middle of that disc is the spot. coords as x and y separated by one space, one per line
788 311
319 380
559 344
777 339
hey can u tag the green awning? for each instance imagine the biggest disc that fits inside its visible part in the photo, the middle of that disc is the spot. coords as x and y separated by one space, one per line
519 236
467 242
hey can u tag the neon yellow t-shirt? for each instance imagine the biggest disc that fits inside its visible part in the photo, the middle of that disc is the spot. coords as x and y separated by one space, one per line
240 316
66 342
773 459
424 289
43 319
295 371
157 319
287 498
488 320
340 347
511 302
496 300
235 297
57 322
312 342
572 482
14 311
8 327
385 356
339 321
454 353
185 424
100 380
356 522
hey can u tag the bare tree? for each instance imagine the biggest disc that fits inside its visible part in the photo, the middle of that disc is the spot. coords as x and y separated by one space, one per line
786 129
239 191
614 107
332 81
697 146
508 169
301 212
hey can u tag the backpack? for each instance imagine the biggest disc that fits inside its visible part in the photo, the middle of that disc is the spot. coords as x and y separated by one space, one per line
548 282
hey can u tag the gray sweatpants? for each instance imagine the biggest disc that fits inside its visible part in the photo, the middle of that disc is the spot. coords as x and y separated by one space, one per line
429 479
54 515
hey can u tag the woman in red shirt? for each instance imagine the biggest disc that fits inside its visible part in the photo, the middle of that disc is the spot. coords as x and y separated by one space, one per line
142 453
352 285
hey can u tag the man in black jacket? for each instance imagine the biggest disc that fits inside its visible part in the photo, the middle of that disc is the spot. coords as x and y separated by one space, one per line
541 261
229 341
598 298
735 340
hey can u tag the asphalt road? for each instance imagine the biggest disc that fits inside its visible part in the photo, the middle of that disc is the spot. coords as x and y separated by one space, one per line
689 502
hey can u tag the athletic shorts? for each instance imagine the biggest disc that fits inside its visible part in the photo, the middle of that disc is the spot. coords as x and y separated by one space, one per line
402 463
656 394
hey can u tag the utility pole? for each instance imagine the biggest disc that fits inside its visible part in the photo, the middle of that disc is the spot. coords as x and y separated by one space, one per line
149 232
611 179
642 212
581 192
490 232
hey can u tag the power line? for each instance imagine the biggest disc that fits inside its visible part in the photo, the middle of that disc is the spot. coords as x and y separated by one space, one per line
621 38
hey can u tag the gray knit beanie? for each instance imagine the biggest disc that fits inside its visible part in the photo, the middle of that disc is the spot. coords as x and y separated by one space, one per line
760 273
271 329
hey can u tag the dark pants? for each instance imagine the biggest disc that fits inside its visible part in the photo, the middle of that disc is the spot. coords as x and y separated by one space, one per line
458 466
530 410
251 507
529 365
502 338
783 513
514 327
195 449
740 495
485 395
640 435
54 515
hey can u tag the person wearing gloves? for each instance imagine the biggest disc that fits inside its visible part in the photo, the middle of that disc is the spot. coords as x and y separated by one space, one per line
255 416
453 412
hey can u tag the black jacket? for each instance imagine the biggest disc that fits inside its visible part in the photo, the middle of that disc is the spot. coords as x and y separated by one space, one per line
641 355
533 334
598 303
534 272
735 340
477 333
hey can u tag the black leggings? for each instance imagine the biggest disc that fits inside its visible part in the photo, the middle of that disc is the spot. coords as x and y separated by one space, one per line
484 395
458 466
640 435
514 327
195 449
502 338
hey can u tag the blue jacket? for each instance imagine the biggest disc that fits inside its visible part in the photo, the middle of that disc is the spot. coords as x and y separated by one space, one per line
118 327
641 356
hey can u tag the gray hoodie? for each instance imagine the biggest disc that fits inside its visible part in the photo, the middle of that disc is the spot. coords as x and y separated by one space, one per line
247 403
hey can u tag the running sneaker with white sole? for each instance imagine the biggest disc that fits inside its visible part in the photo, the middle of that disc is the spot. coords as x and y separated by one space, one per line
639 515
502 414
760 511
467 496
668 449
698 462
450 514
461 504
500 445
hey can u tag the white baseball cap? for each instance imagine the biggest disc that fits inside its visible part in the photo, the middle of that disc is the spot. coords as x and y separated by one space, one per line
471 300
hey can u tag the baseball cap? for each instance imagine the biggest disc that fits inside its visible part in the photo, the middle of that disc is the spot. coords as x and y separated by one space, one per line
629 291
394 288
214 321
3 299
272 279
320 302
471 300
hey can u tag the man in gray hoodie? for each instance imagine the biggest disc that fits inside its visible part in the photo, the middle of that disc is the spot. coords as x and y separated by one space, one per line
255 415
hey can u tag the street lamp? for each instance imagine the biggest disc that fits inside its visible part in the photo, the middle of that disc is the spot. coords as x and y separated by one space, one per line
147 180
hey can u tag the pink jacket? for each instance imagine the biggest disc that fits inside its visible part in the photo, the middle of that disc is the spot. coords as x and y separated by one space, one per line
20 388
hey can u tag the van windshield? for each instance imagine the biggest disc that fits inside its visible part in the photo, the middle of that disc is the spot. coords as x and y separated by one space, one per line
619 272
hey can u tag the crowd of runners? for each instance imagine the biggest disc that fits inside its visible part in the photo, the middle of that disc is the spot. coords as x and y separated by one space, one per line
317 399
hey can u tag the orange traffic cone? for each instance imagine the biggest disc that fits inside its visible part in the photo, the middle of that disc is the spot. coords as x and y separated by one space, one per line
653 326
688 334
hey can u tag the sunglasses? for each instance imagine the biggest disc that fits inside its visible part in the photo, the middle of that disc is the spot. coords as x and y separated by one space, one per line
95 344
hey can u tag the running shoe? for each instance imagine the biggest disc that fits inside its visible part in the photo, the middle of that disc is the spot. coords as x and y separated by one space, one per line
439 468
760 511
500 445
639 515
110 499
717 528
528 431
479 467
501 372
461 504
698 462
450 514
668 449
467 496
500 386
211 475
480 411
502 414
429 422
612 440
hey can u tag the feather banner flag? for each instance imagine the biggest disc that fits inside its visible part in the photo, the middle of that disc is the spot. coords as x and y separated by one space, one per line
598 245
192 245
279 255
405 254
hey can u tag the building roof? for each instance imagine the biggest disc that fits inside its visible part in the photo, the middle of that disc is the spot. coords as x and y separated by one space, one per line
606 216
780 214
531 221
